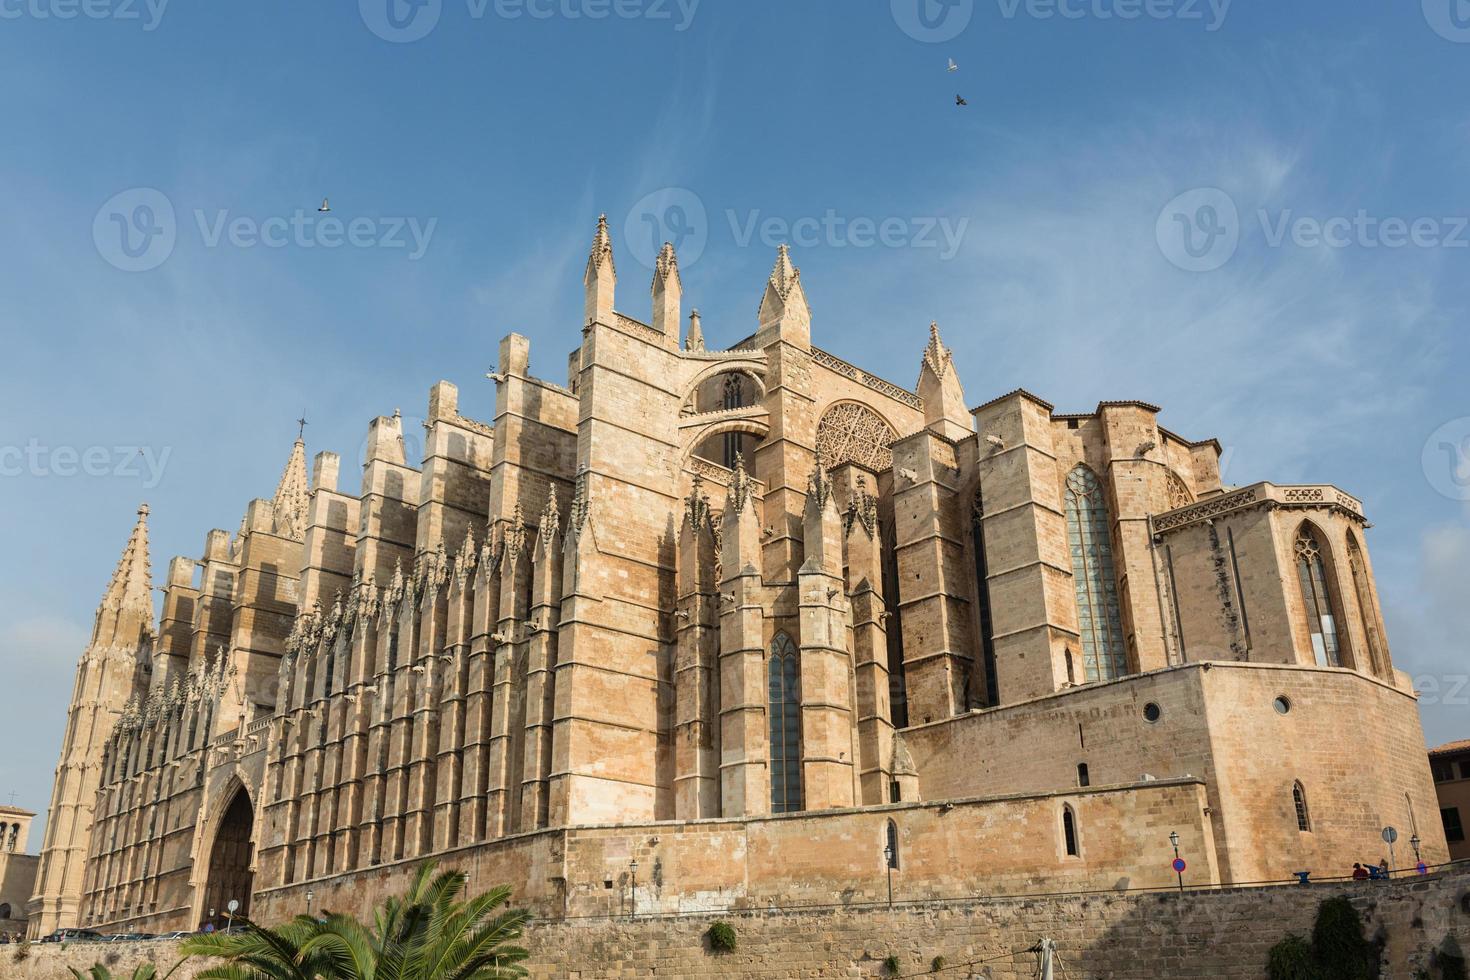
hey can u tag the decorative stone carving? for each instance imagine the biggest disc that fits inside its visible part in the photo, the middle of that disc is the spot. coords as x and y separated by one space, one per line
853 433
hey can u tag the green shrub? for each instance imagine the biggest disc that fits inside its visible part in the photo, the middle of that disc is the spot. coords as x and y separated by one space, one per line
722 937
1291 959
23 950
891 965
1338 944
1451 967
936 964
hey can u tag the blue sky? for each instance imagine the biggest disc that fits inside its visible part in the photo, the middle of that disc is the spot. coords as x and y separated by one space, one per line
1043 227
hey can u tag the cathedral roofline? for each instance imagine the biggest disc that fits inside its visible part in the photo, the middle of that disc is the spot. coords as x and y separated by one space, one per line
1023 393
1203 666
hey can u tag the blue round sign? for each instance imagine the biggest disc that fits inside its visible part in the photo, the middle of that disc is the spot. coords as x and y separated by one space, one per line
1179 865
1423 868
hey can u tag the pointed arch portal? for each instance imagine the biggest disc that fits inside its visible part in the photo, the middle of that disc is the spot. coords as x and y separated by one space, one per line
230 876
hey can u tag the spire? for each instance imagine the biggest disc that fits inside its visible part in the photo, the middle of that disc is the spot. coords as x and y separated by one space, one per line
821 524
666 269
940 391
936 357
695 339
819 484
601 278
784 312
515 539
127 608
741 494
602 252
668 291
550 530
291 496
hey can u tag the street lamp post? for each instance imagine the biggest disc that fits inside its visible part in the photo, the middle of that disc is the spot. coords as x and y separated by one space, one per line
888 863
1174 839
309 896
633 867
1414 842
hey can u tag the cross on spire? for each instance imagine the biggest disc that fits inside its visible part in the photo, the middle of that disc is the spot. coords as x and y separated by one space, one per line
301 432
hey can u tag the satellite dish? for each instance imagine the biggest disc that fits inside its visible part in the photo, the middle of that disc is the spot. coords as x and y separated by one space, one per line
233 906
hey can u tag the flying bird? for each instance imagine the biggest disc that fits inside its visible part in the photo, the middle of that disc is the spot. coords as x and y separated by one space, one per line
953 66
960 100
325 206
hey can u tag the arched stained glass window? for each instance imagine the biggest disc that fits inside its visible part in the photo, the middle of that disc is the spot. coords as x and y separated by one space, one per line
783 680
1323 622
1099 617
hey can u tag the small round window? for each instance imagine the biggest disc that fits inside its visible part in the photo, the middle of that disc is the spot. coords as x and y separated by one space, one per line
1282 704
1152 712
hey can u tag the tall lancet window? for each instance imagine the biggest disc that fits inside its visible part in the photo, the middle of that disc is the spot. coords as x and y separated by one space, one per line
1367 618
1099 618
1323 622
734 397
783 679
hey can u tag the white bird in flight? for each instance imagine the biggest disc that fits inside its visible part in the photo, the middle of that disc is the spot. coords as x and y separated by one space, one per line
325 206
953 66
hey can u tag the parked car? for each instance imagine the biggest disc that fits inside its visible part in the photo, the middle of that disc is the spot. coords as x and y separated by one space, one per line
181 934
73 936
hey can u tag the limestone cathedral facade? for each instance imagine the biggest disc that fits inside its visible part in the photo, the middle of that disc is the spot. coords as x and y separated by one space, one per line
701 629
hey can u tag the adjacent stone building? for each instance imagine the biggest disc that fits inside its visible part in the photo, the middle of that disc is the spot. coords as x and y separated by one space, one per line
1451 766
17 869
700 628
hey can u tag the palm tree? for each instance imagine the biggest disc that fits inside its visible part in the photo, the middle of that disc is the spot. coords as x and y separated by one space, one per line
427 934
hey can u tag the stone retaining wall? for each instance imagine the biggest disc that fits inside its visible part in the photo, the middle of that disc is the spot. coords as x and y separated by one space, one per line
1219 934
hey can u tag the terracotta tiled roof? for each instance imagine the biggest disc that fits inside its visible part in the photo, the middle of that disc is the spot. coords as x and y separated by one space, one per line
1463 745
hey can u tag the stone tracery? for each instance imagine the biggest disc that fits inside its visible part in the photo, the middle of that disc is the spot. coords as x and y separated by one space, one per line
853 433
